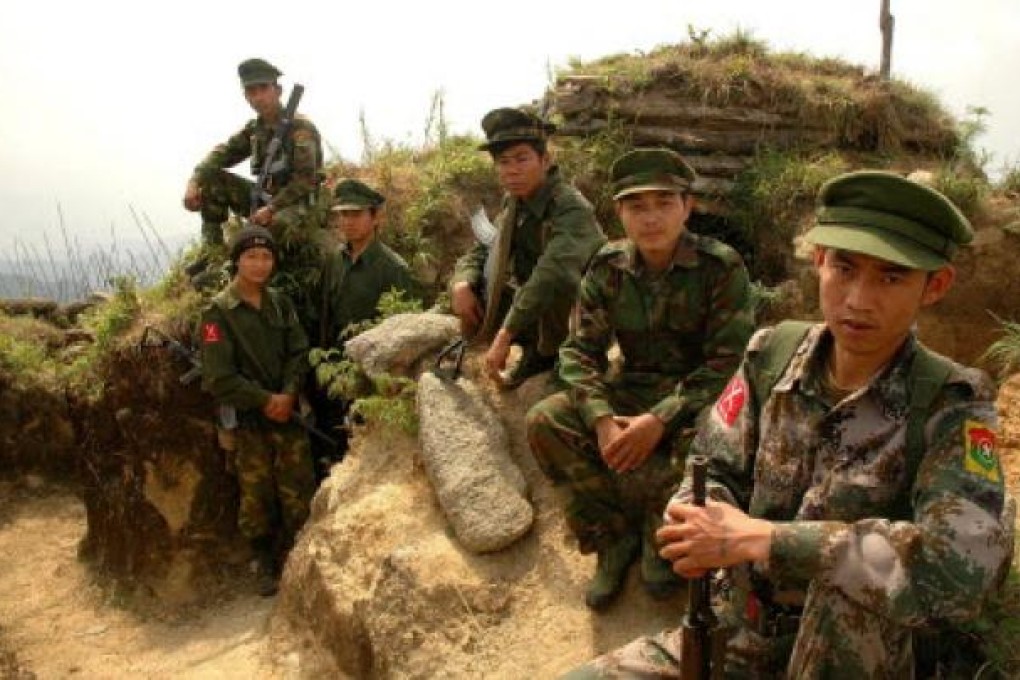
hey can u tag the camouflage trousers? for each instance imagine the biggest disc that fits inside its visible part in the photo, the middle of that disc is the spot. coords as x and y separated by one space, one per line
602 505
836 638
274 472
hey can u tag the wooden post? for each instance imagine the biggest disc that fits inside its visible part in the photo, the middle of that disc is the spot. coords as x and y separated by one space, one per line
886 22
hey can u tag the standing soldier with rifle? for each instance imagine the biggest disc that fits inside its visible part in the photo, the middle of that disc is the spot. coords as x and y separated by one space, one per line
286 157
855 496
254 360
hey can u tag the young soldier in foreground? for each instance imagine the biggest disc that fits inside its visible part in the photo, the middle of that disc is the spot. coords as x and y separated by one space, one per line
254 358
547 234
679 306
857 492
353 280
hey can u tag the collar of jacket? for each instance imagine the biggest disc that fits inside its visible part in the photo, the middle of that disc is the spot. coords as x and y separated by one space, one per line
685 255
369 255
538 202
805 371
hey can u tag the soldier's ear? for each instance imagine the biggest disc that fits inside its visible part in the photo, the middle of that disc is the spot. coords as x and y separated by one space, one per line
938 284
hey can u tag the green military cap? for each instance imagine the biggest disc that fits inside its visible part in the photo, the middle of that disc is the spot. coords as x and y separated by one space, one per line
889 217
249 237
505 126
257 72
650 170
353 194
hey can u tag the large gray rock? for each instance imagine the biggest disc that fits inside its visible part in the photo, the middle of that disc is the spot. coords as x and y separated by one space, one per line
466 454
396 345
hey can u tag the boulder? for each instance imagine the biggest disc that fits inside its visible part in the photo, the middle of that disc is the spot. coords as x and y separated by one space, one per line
396 345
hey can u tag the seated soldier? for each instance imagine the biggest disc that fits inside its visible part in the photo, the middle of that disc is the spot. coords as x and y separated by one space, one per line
679 307
214 191
547 234
353 279
254 359
857 494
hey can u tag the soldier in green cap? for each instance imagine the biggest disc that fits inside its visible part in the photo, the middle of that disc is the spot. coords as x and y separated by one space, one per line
855 492
353 279
519 290
254 359
679 307
213 191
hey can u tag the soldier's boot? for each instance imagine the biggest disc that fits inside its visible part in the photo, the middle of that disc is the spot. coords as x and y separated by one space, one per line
611 571
531 363
657 574
265 566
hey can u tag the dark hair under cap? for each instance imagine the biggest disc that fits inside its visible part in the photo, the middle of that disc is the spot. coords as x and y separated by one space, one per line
250 236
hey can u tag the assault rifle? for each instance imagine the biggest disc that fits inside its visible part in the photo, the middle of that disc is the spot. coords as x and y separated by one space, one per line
702 652
271 165
226 412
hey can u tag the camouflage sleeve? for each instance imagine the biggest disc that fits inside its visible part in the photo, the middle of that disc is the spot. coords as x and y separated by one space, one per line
730 324
583 356
305 164
226 155
296 364
470 266
728 437
939 565
220 375
573 238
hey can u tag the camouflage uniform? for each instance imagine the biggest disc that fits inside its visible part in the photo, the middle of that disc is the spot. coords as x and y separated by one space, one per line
294 189
680 335
867 552
554 235
273 461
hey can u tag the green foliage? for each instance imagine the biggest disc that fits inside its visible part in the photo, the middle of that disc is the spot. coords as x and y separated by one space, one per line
22 360
1010 181
997 630
966 190
108 321
1004 353
383 400
390 303
772 194
587 162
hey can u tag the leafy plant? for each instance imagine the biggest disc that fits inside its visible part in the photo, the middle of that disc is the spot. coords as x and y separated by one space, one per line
1004 353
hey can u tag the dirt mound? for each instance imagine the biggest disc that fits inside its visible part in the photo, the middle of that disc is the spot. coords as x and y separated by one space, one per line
378 579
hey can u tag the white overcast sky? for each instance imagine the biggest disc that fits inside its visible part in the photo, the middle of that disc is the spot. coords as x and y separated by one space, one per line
109 104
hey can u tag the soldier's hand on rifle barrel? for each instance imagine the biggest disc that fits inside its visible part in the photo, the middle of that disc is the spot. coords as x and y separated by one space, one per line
718 535
467 308
192 197
262 217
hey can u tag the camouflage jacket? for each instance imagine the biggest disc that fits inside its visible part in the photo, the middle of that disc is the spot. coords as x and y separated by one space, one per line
302 149
681 333
269 358
349 290
555 235
833 474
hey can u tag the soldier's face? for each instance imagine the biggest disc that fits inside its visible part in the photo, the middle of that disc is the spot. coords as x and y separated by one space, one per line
357 227
870 304
654 221
263 98
521 170
255 265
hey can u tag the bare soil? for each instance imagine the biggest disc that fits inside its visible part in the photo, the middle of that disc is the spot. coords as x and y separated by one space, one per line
56 622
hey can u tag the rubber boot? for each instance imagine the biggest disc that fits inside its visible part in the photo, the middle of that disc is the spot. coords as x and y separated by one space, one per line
611 571
265 566
531 363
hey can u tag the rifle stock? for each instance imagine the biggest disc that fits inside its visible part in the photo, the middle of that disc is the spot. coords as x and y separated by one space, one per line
701 647
260 192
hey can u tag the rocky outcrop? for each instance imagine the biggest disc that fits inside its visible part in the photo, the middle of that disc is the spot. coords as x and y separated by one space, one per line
382 585
400 341
466 453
